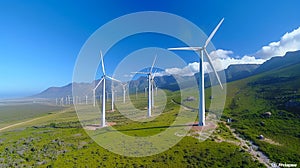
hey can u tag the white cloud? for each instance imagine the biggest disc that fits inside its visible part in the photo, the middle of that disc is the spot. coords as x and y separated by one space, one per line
188 70
223 58
220 54
290 41
244 60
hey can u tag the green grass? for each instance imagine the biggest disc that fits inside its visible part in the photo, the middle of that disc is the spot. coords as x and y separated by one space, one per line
57 139
224 133
69 146
16 113
249 99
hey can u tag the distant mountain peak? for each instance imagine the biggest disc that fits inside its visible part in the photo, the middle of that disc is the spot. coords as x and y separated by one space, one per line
277 62
239 71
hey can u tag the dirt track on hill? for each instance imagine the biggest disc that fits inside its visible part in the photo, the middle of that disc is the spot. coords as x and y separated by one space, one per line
250 147
28 121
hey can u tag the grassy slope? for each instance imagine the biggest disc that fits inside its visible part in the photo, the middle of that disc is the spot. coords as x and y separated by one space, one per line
249 98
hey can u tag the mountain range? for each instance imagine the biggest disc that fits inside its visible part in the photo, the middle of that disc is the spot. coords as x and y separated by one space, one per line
169 82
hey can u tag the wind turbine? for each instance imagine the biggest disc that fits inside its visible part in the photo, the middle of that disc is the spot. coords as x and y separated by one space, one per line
62 101
136 90
124 91
152 90
146 91
107 93
112 98
69 99
201 51
150 87
103 80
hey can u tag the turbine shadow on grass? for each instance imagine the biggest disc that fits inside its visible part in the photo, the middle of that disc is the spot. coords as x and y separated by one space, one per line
144 128
157 127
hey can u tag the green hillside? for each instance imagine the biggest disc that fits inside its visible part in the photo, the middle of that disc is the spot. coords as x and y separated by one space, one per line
276 92
247 102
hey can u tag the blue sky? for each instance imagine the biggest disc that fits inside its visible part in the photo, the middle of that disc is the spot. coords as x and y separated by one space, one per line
40 40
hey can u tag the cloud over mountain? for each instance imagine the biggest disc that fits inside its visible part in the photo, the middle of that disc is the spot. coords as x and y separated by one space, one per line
221 58
188 70
290 41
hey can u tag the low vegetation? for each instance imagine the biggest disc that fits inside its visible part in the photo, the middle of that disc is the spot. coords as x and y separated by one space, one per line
275 93
66 143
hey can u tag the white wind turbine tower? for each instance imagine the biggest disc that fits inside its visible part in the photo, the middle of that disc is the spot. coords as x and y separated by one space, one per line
201 51
107 95
136 90
124 91
112 98
146 91
150 87
62 101
103 89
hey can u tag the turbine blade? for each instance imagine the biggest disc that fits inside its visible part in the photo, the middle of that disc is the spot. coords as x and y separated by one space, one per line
186 48
113 79
153 64
154 74
213 33
102 62
98 83
212 66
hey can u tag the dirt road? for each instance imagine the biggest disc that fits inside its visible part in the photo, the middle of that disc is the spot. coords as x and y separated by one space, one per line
243 143
251 148
28 121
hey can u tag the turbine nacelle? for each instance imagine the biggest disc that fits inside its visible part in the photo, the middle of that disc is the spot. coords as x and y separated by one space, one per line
203 49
